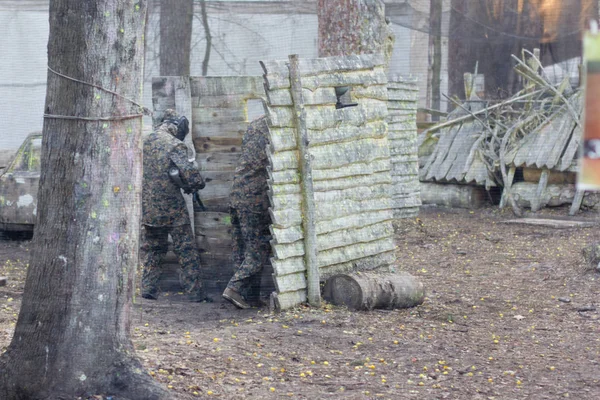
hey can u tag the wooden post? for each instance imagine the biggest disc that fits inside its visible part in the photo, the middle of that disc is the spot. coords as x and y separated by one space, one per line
576 202
507 185
306 187
537 201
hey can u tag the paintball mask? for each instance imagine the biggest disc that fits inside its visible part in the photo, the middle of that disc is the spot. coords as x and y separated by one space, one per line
182 124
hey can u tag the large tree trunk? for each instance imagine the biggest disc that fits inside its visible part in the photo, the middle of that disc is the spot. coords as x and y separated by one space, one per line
353 27
72 334
176 17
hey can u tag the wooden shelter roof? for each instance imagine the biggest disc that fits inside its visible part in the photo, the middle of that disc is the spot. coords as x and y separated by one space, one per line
554 144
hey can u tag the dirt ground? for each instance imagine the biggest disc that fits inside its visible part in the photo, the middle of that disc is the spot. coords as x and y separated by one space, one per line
510 313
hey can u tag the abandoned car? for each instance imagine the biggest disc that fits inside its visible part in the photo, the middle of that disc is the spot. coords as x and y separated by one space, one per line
19 181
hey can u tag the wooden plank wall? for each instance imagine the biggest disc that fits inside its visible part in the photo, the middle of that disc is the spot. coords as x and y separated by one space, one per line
219 120
402 134
351 170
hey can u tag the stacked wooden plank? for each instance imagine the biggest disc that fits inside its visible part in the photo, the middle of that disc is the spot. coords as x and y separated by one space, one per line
402 134
351 170
217 110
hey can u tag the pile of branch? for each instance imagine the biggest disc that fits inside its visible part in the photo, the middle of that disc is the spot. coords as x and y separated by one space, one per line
506 123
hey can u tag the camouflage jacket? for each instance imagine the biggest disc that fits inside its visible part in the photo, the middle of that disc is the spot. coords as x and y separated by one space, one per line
249 189
162 201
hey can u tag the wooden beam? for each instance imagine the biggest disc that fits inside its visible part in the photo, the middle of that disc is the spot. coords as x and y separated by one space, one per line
507 185
306 184
536 204
576 202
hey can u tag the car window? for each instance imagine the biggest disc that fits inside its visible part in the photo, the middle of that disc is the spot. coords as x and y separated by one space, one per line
28 156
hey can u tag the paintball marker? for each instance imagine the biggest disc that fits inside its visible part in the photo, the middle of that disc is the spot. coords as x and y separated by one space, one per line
176 178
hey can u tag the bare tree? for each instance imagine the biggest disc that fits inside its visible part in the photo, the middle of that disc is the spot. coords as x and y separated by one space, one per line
176 17
353 27
435 43
72 334
208 37
488 32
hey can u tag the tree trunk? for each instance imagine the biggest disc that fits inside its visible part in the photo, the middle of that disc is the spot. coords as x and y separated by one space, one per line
367 291
208 37
435 42
72 334
176 17
353 27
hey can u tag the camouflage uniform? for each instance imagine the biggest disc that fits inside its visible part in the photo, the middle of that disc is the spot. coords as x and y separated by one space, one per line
249 208
164 212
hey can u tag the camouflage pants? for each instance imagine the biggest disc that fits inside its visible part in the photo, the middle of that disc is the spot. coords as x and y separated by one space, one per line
154 247
251 248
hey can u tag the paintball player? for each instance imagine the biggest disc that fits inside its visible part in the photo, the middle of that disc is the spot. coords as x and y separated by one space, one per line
167 169
249 210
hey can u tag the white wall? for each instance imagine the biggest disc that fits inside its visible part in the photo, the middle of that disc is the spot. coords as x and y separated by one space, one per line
241 40
23 40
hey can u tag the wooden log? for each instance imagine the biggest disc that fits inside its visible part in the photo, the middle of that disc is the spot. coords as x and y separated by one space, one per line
554 177
525 194
448 195
368 291
306 185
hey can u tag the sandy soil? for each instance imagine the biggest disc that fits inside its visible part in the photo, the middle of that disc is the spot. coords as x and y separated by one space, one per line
510 313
